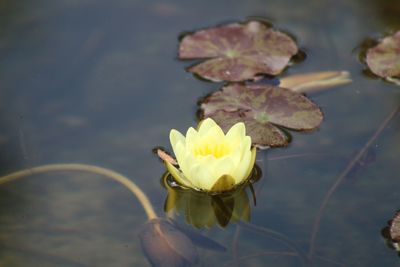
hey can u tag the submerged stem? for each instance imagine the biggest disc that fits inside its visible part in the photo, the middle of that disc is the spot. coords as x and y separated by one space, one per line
281 238
262 253
349 167
144 201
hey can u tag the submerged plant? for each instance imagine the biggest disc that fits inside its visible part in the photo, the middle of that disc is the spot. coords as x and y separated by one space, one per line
211 161
162 241
165 246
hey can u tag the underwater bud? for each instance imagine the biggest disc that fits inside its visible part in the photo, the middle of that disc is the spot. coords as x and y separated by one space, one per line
166 246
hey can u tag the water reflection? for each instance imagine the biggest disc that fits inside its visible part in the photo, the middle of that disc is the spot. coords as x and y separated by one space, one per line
206 210
113 64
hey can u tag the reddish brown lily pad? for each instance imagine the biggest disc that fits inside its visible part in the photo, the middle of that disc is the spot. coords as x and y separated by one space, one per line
262 108
384 59
238 52
395 228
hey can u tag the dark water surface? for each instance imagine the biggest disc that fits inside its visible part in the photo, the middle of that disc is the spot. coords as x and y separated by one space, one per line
98 82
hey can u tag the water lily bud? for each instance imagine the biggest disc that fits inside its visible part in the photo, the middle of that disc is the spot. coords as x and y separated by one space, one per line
209 160
166 246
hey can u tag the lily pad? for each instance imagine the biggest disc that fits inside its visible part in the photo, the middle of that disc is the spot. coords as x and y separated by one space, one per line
395 228
262 108
384 59
392 232
238 52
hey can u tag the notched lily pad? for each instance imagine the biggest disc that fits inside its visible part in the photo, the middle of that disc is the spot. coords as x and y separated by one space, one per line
384 59
238 52
262 108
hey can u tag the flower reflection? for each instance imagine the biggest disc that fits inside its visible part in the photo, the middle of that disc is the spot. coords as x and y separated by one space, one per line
206 210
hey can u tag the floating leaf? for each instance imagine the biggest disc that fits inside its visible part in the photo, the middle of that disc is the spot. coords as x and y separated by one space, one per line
262 108
392 232
165 156
395 228
384 59
315 81
238 52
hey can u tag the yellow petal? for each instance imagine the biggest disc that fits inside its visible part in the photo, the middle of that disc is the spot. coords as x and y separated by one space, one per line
176 137
222 166
177 142
245 166
205 125
252 161
181 157
213 135
236 133
240 150
201 177
246 144
189 162
192 137
178 175
236 156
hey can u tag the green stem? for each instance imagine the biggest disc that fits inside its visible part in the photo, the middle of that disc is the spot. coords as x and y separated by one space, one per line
144 201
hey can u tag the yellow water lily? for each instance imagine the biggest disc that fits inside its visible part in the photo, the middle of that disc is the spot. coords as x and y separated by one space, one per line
209 160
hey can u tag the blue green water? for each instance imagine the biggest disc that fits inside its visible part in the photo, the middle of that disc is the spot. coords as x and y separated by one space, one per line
98 82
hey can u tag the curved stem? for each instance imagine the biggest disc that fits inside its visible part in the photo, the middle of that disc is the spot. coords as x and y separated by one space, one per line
300 155
86 168
349 167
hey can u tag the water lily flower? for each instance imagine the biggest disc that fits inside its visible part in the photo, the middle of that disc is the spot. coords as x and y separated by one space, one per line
209 160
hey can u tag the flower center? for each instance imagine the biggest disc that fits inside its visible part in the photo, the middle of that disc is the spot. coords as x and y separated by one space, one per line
216 150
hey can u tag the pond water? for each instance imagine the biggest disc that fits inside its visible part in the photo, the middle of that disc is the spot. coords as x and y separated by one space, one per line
98 82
